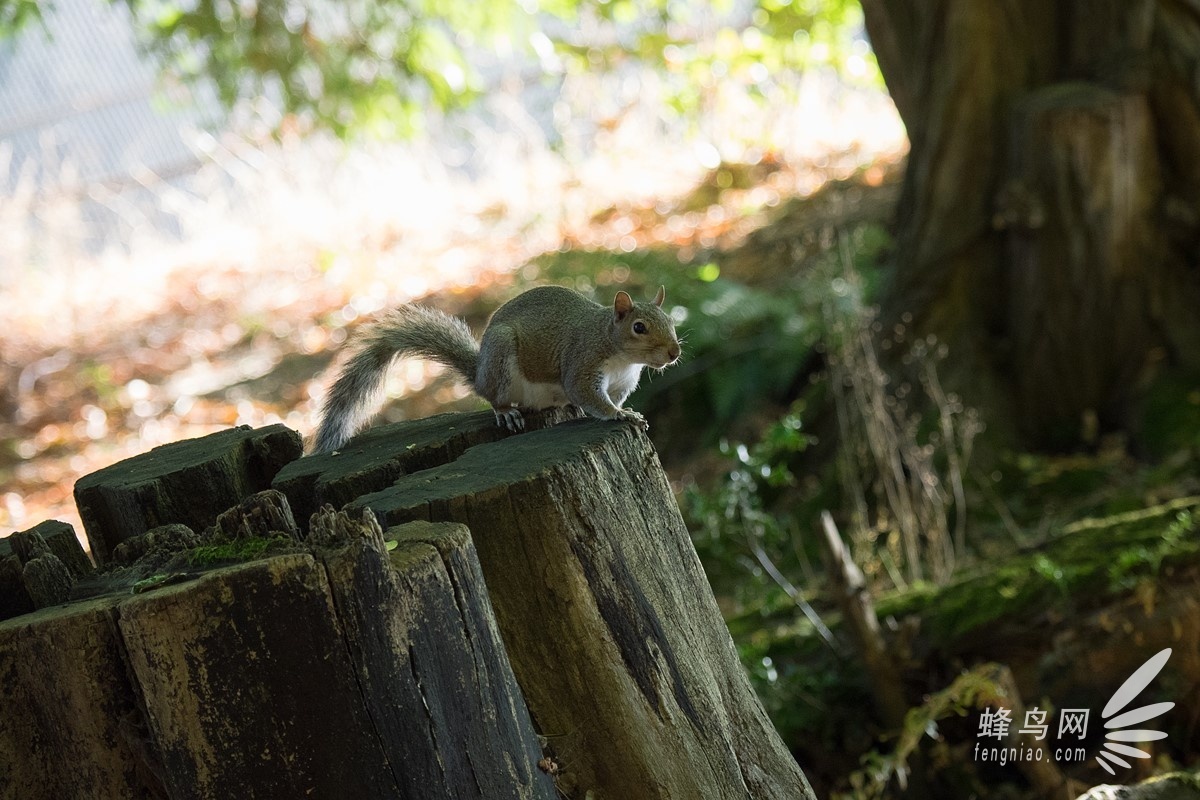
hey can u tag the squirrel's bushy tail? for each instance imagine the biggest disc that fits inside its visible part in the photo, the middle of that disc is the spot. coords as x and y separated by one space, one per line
406 331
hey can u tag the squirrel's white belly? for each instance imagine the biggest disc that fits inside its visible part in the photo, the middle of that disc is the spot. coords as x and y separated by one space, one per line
528 394
620 379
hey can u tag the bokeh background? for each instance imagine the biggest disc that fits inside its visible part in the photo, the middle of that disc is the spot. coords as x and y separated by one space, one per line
945 309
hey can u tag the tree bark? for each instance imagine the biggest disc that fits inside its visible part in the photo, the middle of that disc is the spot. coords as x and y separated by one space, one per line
39 567
247 683
1081 267
1047 228
612 629
60 538
423 639
70 726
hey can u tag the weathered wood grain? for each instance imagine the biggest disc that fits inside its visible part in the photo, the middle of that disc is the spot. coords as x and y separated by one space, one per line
437 681
346 672
188 482
248 687
60 538
69 719
39 567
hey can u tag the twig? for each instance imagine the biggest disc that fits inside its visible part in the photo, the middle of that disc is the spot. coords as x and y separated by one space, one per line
850 588
811 613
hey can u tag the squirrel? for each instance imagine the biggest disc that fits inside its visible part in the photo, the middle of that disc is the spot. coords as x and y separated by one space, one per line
547 347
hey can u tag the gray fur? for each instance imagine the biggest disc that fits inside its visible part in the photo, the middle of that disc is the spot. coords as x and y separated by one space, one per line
547 347
495 372
412 331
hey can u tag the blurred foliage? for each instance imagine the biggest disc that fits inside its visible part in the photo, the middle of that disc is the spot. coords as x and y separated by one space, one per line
697 44
732 526
1016 598
1170 416
1085 563
745 347
16 14
368 66
975 688
377 67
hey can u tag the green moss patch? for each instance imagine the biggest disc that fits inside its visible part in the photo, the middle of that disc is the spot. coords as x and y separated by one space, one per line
239 550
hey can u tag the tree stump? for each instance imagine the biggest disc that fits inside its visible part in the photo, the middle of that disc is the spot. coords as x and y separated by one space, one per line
70 726
331 667
187 482
39 567
339 671
608 619
247 683
423 638
60 538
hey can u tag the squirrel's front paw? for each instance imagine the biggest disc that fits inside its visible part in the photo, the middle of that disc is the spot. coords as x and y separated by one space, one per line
511 419
630 415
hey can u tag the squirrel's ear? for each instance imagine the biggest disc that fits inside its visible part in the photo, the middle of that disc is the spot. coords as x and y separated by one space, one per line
662 295
622 305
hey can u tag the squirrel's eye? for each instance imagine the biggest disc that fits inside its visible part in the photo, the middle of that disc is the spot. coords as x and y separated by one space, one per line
639 327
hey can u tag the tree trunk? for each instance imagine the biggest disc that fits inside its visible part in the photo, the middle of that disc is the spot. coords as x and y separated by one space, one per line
1048 229
612 629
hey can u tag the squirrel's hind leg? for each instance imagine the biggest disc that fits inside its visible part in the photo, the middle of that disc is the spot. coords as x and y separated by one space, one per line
497 364
495 375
